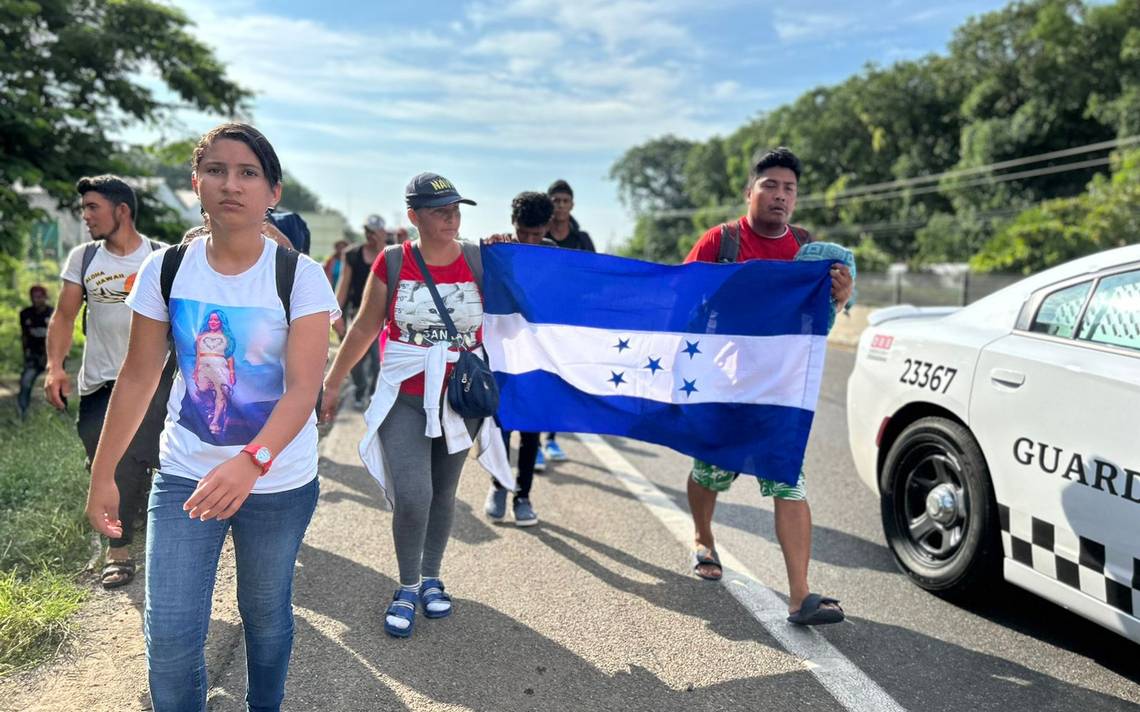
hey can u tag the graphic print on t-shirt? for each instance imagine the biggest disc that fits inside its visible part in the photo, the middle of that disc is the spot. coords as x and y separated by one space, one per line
418 318
230 363
101 286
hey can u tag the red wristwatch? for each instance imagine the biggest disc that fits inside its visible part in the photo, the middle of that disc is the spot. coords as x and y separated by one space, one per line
260 455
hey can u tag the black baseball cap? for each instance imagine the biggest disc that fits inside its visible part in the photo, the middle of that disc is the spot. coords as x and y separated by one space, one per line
431 190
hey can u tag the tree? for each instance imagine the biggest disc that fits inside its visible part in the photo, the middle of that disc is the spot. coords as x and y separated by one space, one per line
1044 75
1058 230
651 177
296 197
68 73
652 183
1034 77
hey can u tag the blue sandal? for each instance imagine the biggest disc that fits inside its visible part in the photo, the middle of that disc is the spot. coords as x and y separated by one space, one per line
403 606
431 590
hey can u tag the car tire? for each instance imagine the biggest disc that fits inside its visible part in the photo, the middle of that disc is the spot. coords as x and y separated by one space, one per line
939 514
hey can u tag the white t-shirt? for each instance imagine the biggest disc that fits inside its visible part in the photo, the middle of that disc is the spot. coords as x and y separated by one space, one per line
229 338
109 279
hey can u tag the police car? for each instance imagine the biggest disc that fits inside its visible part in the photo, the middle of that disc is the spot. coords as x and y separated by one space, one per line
1003 438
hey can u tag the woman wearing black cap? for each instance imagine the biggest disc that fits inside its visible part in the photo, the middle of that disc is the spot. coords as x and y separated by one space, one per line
415 444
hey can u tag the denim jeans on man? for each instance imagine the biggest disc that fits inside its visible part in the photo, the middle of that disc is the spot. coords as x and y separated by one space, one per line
181 564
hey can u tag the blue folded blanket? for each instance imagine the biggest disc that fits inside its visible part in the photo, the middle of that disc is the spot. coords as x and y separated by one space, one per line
833 252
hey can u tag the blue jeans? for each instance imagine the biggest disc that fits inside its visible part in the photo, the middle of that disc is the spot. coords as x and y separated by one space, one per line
181 564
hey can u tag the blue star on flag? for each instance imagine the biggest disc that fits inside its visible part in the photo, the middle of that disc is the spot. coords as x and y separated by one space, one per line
691 349
654 365
689 388
622 345
618 378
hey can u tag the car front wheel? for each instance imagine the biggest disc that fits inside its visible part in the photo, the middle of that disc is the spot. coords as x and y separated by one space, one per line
939 513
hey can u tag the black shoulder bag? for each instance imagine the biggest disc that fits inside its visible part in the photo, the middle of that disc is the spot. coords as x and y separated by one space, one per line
471 390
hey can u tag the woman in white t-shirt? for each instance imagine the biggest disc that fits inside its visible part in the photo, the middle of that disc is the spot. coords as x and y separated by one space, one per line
239 449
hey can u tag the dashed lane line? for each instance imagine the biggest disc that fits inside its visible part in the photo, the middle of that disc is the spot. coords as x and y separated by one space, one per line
849 685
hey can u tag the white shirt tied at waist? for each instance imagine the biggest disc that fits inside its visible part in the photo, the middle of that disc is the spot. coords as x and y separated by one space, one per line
401 362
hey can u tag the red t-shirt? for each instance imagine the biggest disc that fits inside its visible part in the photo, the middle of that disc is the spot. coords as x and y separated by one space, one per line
752 246
414 319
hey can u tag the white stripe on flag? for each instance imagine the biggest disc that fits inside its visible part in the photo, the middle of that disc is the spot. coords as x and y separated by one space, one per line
665 367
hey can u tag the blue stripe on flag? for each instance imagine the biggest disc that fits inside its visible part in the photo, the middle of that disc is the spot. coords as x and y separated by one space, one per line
754 298
764 440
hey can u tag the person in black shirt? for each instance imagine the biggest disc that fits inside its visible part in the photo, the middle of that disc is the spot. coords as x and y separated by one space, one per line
564 229
354 273
33 337
565 232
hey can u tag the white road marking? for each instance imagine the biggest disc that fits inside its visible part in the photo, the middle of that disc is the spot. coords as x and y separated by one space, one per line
838 675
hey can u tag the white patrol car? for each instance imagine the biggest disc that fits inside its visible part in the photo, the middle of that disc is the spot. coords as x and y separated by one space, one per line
1005 436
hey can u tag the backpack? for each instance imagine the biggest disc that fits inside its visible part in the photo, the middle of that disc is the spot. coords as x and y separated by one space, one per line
286 273
144 445
88 257
730 241
394 260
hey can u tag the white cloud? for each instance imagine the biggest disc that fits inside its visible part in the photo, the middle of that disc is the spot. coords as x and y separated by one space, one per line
517 89
631 25
519 44
725 90
508 96
792 26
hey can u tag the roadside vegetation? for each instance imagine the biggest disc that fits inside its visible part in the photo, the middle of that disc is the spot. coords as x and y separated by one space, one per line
1013 88
43 533
43 486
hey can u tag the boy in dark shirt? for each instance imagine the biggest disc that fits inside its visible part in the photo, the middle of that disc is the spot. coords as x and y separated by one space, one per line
33 337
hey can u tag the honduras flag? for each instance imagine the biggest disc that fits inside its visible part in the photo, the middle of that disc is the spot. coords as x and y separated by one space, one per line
721 362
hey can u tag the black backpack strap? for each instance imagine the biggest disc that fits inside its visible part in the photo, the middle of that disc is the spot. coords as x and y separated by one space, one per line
171 261
393 263
801 235
473 255
440 307
155 245
286 275
729 243
88 256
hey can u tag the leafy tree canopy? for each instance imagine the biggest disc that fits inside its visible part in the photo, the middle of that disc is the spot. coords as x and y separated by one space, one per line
1035 77
69 76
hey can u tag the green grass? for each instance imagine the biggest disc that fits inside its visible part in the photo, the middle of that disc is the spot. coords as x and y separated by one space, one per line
34 616
43 533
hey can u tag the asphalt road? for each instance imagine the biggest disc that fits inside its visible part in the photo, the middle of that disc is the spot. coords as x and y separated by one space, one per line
1013 651
595 609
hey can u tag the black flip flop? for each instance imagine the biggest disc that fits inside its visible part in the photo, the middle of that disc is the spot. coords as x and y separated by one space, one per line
812 611
123 568
703 556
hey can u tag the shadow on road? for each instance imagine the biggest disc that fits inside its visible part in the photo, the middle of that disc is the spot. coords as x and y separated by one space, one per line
900 661
483 659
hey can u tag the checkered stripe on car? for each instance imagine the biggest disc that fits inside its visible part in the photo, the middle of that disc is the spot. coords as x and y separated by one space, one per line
1110 576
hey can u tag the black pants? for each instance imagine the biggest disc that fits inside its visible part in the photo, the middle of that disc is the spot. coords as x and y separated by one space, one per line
528 453
34 365
366 370
132 475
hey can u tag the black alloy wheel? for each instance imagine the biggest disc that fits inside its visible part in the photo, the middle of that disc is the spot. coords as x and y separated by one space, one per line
938 509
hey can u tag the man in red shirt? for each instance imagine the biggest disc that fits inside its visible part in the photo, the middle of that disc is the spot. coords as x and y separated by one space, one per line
765 233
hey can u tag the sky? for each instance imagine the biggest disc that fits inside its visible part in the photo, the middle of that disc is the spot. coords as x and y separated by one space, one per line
502 96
